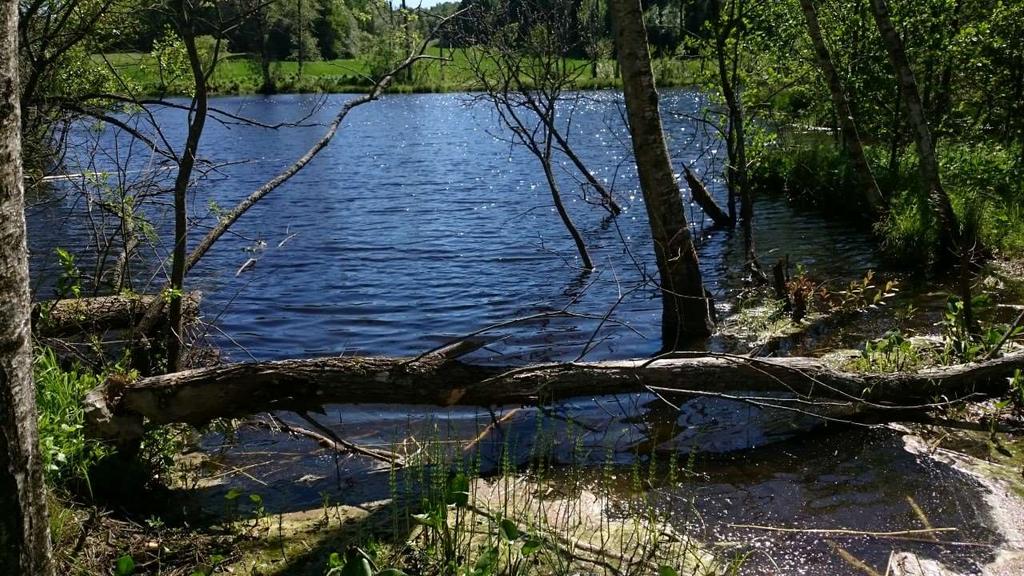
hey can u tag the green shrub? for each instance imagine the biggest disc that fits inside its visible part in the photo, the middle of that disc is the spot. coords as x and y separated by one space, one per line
906 232
67 454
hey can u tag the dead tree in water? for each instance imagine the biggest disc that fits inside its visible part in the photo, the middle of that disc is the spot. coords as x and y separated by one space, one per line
201 395
521 62
686 309
703 198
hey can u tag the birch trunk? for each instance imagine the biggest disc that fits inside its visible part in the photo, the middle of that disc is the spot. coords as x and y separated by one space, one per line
24 523
851 137
685 307
949 233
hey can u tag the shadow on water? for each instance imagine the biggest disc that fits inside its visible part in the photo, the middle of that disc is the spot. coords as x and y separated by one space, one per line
731 468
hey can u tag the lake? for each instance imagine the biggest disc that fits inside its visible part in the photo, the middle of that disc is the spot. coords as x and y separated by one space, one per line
421 222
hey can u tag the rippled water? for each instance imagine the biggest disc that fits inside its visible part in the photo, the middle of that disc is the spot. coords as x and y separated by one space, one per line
421 222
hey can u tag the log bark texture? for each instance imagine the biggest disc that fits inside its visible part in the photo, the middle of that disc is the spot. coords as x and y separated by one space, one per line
24 522
57 318
200 395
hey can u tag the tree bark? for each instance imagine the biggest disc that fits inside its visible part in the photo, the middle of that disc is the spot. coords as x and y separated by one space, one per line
24 522
55 318
851 137
685 308
201 395
704 199
187 162
949 232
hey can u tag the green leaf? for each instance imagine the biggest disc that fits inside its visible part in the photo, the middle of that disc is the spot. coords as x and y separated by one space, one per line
532 545
458 491
125 566
508 530
430 520
487 561
233 494
334 561
361 567
391 572
666 570
357 563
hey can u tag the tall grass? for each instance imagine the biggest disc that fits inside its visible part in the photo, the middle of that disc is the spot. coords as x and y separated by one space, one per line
985 183
532 517
67 454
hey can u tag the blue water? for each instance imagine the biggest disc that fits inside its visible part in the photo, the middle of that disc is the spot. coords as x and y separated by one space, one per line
421 222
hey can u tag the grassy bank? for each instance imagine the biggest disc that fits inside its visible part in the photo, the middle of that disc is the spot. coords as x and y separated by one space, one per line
984 180
450 72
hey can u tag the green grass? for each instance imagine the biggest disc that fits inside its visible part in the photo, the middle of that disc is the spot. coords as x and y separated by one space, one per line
240 74
984 180
67 454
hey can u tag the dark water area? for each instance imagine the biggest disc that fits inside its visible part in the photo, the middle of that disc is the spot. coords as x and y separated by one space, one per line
748 474
420 222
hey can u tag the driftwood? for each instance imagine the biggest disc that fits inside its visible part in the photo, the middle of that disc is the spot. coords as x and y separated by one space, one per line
704 199
98 314
200 395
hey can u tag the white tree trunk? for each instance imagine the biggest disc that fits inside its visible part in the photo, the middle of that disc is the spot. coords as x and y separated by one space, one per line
24 523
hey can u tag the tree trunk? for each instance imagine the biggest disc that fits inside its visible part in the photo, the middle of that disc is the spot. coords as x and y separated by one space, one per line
24 522
949 233
685 315
268 80
851 138
181 183
201 395
736 143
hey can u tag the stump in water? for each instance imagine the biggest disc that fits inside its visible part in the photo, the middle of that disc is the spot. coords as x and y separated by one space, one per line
704 199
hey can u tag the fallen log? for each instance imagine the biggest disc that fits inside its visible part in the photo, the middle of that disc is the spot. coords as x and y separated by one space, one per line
201 395
704 199
69 316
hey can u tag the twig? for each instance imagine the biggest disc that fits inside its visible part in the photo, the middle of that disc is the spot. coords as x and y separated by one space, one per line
330 437
843 531
1006 336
